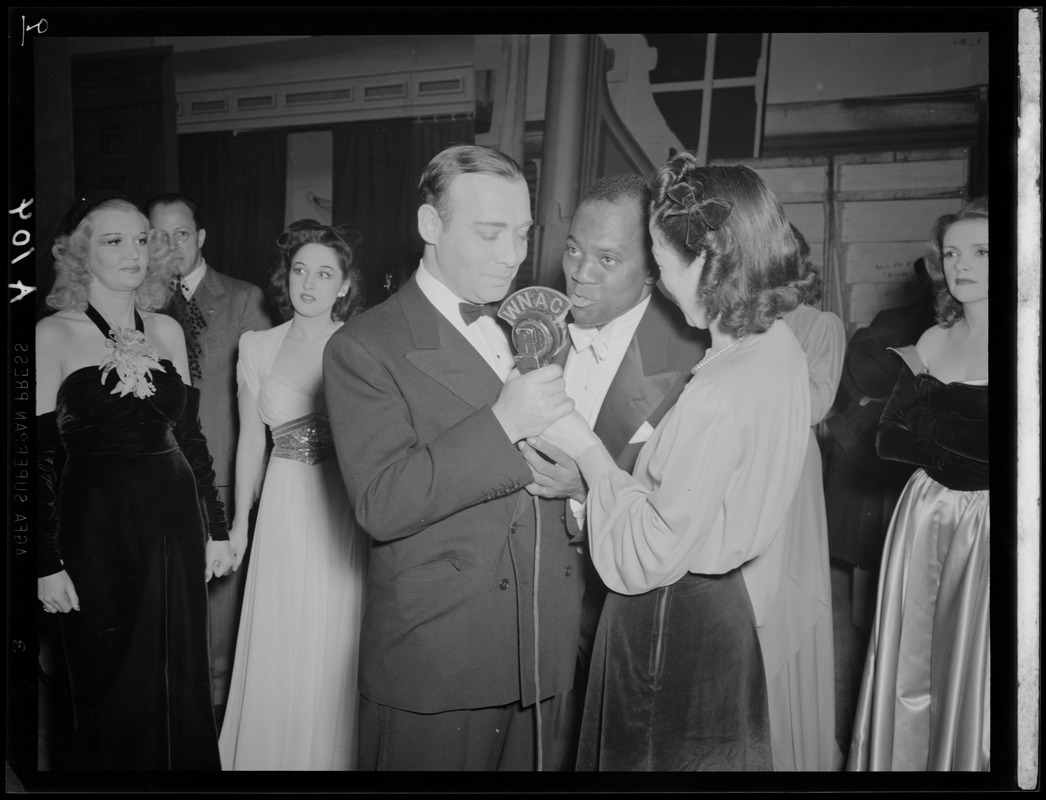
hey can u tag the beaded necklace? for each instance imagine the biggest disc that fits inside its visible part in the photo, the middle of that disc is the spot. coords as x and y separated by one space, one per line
704 361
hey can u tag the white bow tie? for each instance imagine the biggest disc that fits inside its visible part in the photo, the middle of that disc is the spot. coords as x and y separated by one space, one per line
598 338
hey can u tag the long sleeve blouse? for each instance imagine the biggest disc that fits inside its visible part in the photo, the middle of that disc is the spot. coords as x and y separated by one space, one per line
711 487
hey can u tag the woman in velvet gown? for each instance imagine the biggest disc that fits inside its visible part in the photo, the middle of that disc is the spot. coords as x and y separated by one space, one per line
925 697
689 544
293 694
132 528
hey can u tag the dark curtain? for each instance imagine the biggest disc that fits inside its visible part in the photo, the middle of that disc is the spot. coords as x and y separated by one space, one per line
370 173
376 170
239 182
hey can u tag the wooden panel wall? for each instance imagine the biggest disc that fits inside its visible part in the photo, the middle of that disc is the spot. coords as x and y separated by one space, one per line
867 218
884 205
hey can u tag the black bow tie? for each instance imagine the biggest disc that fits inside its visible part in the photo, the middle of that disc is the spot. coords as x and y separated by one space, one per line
470 312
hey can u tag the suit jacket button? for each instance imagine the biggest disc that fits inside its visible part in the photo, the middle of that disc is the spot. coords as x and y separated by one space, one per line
513 528
563 518
504 583
568 571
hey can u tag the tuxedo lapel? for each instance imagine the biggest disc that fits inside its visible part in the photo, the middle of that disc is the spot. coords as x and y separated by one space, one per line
641 384
447 357
632 397
443 353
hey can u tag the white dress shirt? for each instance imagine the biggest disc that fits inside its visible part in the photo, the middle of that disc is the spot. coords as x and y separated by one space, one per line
194 279
588 376
485 335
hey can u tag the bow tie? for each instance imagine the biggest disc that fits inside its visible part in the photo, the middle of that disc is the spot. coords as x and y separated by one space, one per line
470 312
598 338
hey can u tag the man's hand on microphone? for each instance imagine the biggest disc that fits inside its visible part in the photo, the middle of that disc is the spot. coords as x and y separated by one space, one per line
530 402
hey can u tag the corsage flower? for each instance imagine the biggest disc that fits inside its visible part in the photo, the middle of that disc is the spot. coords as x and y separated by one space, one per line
132 359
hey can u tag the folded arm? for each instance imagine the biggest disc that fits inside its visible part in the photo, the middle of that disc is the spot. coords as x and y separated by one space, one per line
897 439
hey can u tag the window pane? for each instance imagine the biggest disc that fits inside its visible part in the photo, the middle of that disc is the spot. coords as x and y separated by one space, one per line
737 54
682 112
732 133
680 56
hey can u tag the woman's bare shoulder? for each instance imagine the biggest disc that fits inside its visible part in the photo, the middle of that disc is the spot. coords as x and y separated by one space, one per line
59 325
164 323
932 342
162 327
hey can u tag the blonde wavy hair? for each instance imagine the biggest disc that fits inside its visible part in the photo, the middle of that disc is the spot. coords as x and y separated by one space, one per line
72 252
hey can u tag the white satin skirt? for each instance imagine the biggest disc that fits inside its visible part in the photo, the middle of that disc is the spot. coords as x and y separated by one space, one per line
925 697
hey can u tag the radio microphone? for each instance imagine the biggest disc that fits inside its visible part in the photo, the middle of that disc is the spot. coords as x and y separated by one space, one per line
537 316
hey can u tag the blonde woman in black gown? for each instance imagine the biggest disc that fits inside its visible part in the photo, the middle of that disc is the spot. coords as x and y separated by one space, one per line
132 528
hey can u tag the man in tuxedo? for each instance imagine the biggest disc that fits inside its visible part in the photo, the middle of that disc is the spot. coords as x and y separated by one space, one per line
630 356
214 311
465 647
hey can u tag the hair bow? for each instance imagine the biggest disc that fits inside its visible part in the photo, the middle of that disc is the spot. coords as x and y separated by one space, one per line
710 214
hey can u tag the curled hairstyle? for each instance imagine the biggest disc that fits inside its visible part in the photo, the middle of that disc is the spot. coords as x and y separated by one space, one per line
948 310
753 273
813 288
461 159
342 241
72 253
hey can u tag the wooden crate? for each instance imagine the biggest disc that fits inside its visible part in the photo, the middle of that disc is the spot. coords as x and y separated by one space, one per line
867 218
883 207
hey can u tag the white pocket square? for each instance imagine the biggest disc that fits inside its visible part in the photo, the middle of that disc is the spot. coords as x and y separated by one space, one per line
642 434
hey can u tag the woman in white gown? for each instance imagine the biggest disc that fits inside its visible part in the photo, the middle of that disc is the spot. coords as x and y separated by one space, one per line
797 637
293 697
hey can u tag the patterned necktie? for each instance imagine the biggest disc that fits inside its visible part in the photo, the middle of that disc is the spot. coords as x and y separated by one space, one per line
598 338
188 314
470 312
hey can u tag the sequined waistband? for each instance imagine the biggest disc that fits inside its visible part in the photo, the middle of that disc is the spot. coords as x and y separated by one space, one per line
306 439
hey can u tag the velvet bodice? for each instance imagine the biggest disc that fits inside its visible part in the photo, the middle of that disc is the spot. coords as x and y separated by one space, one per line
941 427
92 421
